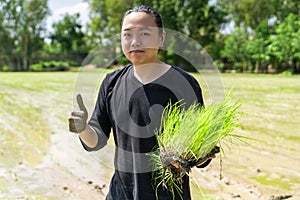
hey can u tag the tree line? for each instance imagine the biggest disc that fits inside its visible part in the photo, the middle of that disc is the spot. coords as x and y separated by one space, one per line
243 35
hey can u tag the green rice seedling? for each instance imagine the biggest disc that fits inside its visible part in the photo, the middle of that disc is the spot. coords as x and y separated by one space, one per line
189 137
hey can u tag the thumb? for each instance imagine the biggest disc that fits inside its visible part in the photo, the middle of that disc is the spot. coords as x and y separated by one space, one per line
80 103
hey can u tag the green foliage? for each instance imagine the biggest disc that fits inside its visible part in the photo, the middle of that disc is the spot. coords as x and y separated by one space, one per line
286 7
106 17
68 36
54 49
22 25
235 49
257 45
6 68
122 60
287 73
198 19
202 21
191 134
276 45
285 44
266 32
220 65
51 65
249 13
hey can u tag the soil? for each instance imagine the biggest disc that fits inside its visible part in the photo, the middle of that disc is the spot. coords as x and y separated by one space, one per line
261 170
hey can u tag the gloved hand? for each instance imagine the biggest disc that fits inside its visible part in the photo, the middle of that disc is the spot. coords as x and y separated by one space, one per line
77 121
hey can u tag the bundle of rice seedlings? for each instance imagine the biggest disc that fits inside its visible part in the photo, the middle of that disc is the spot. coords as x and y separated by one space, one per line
189 137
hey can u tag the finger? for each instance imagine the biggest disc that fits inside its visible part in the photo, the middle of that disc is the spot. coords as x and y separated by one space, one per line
76 129
175 164
72 126
76 120
76 125
80 103
78 114
72 122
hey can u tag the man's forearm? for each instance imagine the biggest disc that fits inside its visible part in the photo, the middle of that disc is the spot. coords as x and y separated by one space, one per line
89 137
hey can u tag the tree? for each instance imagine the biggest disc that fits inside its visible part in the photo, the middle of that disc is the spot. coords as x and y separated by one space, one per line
5 41
200 20
23 24
10 14
261 45
257 46
286 7
249 13
36 11
285 43
235 49
204 20
106 16
68 37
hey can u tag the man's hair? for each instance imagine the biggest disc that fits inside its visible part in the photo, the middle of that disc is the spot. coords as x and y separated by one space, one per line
147 9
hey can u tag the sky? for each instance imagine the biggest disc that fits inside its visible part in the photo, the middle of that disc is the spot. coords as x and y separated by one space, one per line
59 8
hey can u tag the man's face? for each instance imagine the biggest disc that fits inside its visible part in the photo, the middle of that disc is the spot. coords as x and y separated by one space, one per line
140 38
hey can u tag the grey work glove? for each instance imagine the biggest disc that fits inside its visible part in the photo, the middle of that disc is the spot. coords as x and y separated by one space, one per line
77 121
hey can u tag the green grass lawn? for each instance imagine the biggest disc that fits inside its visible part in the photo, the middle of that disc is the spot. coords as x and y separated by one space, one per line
32 103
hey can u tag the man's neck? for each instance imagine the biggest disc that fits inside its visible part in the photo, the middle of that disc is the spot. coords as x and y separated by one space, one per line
149 72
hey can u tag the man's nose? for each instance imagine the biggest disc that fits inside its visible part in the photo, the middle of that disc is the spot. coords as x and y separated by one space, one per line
136 41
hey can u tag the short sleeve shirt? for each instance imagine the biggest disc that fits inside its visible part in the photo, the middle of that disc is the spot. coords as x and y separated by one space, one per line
133 112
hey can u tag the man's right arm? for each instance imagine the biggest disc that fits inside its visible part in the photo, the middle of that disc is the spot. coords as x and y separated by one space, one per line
89 137
78 124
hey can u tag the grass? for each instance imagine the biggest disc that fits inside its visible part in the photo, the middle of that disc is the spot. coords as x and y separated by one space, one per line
29 102
189 136
273 182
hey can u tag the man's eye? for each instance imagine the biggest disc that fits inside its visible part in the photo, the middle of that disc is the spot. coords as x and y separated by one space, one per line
145 34
126 35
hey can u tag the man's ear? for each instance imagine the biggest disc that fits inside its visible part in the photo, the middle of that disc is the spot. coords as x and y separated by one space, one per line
162 39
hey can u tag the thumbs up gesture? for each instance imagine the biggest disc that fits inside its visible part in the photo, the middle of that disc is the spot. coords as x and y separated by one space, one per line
77 121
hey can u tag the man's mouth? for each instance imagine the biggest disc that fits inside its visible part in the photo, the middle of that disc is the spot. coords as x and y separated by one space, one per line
136 51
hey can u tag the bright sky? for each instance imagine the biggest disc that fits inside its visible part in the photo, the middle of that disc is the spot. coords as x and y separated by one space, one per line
59 8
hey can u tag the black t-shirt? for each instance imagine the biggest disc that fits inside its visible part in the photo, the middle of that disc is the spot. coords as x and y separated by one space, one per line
133 111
